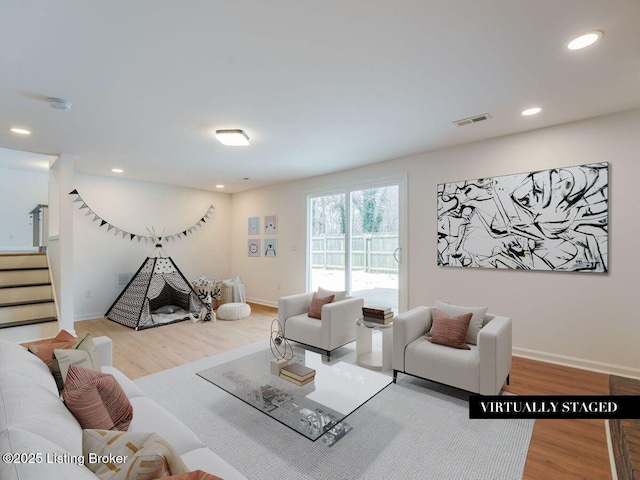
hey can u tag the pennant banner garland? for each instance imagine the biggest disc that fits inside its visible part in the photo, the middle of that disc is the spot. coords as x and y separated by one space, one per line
132 236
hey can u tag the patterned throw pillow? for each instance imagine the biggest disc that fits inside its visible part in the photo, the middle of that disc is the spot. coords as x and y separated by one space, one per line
315 310
129 455
44 350
96 400
83 353
194 475
450 331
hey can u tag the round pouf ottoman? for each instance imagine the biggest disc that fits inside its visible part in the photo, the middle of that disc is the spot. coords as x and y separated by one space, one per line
233 311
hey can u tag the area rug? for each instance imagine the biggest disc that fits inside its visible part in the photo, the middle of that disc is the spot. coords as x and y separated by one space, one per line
413 429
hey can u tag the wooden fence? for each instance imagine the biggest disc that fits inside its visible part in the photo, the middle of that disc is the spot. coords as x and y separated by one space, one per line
371 253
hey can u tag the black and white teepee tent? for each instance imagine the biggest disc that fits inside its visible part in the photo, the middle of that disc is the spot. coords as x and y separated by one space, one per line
157 294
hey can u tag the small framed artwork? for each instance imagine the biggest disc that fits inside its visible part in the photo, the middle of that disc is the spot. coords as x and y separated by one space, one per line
270 224
253 227
253 247
270 247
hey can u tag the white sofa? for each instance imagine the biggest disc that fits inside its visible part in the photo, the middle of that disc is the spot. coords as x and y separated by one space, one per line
481 369
335 328
33 419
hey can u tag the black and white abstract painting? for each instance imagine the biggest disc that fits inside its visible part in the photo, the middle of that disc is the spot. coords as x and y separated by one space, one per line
554 219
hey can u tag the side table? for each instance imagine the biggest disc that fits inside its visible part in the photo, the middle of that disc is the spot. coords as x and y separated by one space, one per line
366 357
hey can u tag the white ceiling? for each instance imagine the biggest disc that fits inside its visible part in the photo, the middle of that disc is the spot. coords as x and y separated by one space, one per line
16 160
318 86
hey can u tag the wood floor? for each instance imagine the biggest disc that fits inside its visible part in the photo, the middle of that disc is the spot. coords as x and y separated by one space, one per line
559 449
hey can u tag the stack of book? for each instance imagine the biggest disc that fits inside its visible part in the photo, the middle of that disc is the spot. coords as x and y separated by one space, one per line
377 314
297 373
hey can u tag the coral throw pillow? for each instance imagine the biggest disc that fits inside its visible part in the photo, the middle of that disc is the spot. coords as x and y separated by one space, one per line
44 351
450 331
96 400
194 475
317 302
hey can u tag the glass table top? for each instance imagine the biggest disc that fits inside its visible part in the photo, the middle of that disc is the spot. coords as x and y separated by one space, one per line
337 390
381 326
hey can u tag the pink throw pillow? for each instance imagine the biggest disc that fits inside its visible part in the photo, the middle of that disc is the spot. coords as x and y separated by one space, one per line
44 350
96 400
317 302
450 331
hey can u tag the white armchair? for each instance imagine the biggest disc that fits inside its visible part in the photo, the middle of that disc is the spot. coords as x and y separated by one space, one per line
335 328
482 369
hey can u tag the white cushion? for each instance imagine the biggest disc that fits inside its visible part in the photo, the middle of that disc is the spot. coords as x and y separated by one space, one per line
304 329
451 366
233 311
18 441
207 461
148 416
337 294
17 359
477 318
29 406
131 390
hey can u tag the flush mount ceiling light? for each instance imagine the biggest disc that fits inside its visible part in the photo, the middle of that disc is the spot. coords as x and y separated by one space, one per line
585 40
59 104
219 186
232 138
531 111
117 170
20 131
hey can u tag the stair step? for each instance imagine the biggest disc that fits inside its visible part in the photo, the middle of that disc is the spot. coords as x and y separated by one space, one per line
24 260
26 302
25 285
24 293
24 277
30 321
27 311
22 269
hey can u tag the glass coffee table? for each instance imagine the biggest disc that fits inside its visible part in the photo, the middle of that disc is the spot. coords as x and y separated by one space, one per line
312 410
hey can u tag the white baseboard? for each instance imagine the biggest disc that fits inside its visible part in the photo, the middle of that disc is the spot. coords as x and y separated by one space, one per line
266 303
89 316
574 362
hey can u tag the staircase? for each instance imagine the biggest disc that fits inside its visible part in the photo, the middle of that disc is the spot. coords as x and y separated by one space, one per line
27 308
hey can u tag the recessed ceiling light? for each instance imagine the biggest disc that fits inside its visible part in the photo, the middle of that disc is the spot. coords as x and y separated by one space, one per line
531 111
585 40
219 186
117 170
232 138
20 131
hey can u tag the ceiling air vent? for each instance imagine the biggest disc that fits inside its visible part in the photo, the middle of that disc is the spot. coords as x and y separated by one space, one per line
470 120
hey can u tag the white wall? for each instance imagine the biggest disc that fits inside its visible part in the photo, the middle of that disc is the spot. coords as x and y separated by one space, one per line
22 190
133 206
581 319
61 240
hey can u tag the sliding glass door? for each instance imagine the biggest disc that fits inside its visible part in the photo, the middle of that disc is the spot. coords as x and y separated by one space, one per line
355 243
328 242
